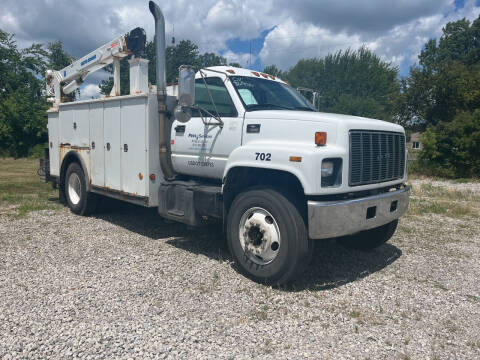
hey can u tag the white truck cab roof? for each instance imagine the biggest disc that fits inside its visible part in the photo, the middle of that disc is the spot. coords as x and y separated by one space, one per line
230 70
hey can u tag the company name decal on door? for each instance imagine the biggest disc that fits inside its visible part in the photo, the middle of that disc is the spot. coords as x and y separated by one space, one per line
199 141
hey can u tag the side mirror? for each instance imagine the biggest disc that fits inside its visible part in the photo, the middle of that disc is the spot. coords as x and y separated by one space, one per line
186 93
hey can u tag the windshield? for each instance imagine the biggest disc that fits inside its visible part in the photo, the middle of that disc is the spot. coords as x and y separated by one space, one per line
262 94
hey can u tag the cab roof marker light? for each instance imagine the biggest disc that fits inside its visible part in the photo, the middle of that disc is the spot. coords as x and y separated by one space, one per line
231 71
264 75
271 77
255 73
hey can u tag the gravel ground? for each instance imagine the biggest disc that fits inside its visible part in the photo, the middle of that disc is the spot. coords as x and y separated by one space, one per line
125 284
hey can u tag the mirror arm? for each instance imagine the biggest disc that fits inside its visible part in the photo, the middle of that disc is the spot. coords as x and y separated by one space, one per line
199 109
211 99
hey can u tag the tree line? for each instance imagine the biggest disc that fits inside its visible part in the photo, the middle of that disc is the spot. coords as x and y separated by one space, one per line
440 96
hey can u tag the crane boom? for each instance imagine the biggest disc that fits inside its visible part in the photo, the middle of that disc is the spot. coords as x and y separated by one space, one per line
71 77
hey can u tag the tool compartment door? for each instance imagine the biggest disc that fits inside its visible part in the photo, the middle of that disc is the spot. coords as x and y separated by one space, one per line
111 142
97 147
133 145
53 145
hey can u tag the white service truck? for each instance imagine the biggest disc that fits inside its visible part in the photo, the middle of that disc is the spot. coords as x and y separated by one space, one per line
226 143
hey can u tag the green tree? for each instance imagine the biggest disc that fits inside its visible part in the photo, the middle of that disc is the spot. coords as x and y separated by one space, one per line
446 79
443 92
184 53
22 104
452 148
58 59
107 84
273 70
350 82
210 59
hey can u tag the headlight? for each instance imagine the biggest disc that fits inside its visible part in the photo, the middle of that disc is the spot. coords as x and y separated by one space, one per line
331 172
327 168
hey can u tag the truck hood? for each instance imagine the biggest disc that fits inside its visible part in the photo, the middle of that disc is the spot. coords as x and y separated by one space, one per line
346 122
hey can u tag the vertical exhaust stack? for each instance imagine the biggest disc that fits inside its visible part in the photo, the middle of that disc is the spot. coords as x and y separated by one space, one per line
164 128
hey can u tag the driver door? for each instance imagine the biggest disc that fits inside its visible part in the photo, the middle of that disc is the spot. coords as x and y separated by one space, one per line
201 146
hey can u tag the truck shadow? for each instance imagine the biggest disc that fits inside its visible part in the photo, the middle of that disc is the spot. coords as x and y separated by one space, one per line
332 265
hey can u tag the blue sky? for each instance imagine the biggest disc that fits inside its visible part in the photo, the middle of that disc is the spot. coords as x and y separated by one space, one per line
254 46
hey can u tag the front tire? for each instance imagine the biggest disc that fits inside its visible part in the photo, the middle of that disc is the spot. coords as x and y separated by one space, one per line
78 199
267 236
370 239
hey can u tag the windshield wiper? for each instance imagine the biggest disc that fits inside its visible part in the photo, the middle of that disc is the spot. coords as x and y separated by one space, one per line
267 106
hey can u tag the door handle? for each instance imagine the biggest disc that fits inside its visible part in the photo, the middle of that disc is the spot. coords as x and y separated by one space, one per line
180 128
253 128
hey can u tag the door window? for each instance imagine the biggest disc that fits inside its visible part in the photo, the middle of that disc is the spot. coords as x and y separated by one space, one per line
220 95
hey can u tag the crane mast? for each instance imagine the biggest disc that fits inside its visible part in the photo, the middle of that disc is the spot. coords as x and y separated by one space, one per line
68 79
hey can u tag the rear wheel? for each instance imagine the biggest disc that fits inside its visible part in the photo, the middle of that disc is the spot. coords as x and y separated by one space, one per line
370 239
267 236
79 200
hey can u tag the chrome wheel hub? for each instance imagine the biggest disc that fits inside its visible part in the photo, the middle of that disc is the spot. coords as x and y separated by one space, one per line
74 188
259 236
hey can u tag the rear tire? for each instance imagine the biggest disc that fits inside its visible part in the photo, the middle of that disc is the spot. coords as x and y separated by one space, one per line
370 239
78 199
267 236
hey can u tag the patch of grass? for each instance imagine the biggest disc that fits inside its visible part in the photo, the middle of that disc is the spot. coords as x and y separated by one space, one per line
21 190
260 314
473 298
445 193
355 314
406 229
450 209
440 286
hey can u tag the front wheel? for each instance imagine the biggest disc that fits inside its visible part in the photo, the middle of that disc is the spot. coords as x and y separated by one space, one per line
267 236
79 200
370 239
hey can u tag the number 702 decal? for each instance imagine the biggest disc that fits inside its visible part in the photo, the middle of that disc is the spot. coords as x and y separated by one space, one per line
263 156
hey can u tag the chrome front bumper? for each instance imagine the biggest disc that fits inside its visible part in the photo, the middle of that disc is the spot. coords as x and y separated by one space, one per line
327 219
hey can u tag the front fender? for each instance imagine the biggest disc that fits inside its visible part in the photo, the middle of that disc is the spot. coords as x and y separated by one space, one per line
250 155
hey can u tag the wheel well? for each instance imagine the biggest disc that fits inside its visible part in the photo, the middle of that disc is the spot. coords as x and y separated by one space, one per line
241 178
71 157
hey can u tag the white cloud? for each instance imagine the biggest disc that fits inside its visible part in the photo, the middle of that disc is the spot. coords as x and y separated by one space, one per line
401 44
396 30
90 91
404 42
290 41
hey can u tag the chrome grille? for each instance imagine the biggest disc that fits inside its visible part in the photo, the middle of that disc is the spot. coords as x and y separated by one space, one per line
376 156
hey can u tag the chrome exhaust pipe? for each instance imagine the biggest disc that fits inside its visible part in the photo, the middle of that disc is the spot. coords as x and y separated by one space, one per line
165 125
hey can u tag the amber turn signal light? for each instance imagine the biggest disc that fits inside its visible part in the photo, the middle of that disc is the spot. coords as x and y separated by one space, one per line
320 138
